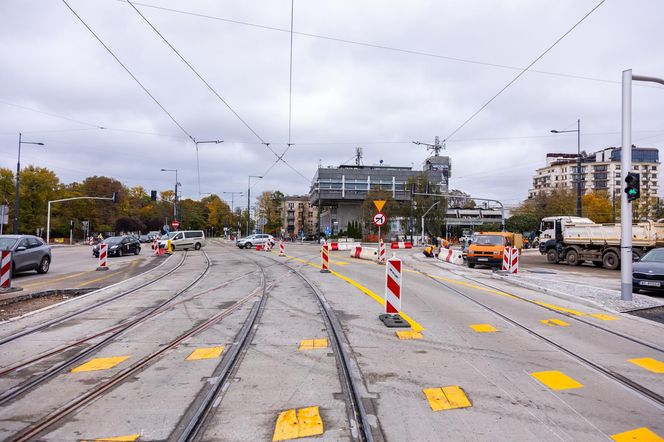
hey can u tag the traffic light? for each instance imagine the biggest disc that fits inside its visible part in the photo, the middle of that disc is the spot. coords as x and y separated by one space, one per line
632 186
71 225
153 195
115 197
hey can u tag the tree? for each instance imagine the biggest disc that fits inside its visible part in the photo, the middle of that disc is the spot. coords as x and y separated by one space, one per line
219 213
597 207
38 186
269 208
460 200
526 222
435 220
557 202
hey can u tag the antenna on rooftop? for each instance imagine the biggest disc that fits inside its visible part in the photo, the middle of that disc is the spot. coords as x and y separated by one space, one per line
358 156
436 147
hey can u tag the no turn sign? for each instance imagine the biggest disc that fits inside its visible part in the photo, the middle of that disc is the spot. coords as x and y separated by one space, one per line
379 219
175 224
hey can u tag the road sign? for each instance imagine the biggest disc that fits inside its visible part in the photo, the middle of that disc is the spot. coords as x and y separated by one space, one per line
379 204
379 219
175 224
85 224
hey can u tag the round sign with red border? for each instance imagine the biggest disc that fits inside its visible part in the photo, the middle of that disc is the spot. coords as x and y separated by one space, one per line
175 224
379 219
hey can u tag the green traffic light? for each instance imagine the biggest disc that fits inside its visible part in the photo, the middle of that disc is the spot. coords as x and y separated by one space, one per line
632 191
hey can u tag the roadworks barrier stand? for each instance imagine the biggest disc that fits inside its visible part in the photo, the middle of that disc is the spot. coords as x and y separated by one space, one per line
324 258
6 270
451 256
381 252
364 253
342 245
393 284
511 260
401 245
103 256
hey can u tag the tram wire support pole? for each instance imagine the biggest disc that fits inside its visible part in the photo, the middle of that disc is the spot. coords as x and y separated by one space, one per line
626 167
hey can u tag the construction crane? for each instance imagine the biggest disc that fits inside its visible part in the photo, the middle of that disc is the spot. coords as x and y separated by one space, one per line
436 147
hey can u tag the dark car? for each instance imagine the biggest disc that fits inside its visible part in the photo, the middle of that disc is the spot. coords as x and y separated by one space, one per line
144 238
28 253
119 246
648 272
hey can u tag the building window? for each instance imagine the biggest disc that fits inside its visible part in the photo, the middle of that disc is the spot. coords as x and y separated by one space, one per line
636 167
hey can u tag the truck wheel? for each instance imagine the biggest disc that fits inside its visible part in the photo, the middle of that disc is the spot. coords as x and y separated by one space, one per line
552 257
471 265
572 258
610 260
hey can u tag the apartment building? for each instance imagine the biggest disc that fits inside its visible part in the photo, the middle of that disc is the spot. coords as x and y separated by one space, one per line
298 217
600 171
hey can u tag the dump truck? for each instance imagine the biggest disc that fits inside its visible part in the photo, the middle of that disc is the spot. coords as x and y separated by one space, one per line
575 240
487 248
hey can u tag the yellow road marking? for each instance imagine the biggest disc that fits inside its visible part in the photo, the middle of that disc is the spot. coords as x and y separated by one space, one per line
127 438
556 380
99 364
413 324
649 364
205 353
313 344
52 280
642 434
409 334
603 317
446 398
293 424
131 265
561 309
340 263
483 328
554 322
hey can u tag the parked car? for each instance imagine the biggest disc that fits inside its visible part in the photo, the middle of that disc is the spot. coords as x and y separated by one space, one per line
28 253
253 240
119 246
144 238
184 240
648 272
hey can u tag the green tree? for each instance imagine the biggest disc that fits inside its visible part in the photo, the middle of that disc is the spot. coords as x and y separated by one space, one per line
526 222
434 222
38 186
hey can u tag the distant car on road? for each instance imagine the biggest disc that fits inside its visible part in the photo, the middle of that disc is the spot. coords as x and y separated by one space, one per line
144 238
648 272
119 246
28 253
253 240
184 240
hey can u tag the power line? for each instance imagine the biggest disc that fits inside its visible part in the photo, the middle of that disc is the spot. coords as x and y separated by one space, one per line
290 79
523 71
383 47
128 71
201 78
85 123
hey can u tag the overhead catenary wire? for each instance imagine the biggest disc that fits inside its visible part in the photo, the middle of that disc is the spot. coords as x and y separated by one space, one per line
523 71
384 47
128 71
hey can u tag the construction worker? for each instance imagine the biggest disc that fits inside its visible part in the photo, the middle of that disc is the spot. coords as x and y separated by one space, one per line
429 251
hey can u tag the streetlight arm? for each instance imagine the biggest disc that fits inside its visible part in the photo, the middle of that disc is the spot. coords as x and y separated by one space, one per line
48 216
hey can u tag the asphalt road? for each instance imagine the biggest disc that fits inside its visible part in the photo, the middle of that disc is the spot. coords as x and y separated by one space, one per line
488 361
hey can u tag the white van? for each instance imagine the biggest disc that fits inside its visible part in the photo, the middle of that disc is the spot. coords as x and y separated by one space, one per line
185 239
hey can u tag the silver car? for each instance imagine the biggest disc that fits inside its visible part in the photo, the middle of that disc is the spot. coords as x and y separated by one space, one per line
28 253
256 239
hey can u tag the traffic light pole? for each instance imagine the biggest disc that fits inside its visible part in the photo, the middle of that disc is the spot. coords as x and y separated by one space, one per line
48 216
626 167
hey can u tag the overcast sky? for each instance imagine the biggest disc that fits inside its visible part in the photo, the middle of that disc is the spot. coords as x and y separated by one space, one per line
58 85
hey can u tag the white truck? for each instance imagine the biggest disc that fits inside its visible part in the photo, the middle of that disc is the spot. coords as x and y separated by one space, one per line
575 240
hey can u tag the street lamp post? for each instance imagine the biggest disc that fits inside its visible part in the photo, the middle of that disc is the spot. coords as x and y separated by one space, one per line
198 167
578 163
175 200
18 174
249 199
424 216
232 194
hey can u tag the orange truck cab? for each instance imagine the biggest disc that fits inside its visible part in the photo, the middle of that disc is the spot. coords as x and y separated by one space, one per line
487 248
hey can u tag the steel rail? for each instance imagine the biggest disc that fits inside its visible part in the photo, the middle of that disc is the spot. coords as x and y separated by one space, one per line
32 432
61 319
30 384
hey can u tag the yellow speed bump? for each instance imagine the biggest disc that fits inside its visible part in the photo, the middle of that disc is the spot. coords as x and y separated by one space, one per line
205 353
642 434
99 364
313 344
483 328
293 424
556 380
649 364
446 398
409 334
554 323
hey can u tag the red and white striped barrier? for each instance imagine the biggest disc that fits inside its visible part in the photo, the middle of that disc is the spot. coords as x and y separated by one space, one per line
511 260
401 245
91 241
103 256
5 269
364 253
451 256
155 247
342 245
281 248
393 282
268 246
324 258
381 252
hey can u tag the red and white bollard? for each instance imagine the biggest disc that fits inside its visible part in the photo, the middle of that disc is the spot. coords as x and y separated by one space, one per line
324 258
510 260
6 269
155 247
393 282
281 248
268 246
103 256
381 252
